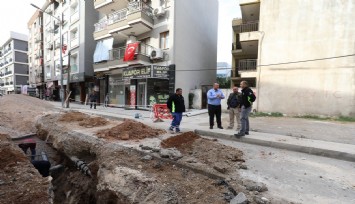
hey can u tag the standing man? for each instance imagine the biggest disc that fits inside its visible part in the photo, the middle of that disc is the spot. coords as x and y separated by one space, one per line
214 97
93 98
176 106
233 103
248 98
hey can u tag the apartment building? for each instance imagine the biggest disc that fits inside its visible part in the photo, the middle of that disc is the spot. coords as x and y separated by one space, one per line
297 55
35 54
76 28
148 48
13 63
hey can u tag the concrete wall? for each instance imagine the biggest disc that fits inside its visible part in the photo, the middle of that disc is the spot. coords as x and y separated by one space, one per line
195 48
305 30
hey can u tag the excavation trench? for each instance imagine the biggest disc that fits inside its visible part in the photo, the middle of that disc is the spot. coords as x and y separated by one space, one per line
91 167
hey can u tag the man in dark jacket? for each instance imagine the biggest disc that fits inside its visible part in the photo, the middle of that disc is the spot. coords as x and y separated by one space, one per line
93 99
248 98
176 106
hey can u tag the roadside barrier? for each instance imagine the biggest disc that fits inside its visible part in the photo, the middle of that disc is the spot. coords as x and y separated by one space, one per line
161 112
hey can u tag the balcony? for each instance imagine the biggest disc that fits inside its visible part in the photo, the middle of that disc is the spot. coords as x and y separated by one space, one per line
74 17
74 43
137 18
7 83
1 75
11 82
240 27
101 3
247 65
8 72
116 58
2 84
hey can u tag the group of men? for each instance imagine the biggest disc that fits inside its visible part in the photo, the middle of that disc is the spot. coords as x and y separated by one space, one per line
238 104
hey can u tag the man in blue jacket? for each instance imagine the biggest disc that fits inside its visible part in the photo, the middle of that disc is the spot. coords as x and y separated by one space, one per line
176 106
214 97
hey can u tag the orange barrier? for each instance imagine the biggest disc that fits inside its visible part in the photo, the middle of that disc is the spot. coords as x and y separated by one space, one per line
161 112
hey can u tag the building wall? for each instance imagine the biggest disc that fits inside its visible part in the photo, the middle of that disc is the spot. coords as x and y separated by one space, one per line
21 57
87 44
20 69
20 45
21 80
195 47
305 30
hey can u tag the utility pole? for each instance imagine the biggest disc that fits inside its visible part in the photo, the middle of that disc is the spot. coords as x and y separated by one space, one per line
68 81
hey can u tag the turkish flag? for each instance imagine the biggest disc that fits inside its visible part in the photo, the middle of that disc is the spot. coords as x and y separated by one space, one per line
130 51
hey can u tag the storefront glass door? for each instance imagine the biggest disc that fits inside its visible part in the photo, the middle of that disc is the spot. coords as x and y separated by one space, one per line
141 94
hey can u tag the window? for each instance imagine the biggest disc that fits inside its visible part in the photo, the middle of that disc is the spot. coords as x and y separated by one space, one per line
164 40
74 63
65 39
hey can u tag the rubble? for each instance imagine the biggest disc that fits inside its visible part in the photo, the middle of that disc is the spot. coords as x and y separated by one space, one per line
171 153
239 199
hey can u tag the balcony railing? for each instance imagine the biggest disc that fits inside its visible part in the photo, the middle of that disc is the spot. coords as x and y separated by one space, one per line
2 84
7 83
8 73
118 53
122 14
247 27
247 65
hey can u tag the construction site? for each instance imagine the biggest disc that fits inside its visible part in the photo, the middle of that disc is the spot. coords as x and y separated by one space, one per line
55 155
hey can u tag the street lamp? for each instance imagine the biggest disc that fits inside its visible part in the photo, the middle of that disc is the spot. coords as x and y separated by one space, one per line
60 53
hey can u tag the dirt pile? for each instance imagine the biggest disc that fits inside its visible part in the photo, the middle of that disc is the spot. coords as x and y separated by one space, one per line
130 130
73 116
93 122
83 119
181 141
20 182
18 114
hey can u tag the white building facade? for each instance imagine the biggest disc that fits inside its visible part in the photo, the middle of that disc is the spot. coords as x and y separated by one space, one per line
176 47
298 55
13 63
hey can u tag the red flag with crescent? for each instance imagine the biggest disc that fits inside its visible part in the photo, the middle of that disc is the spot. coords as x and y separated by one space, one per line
130 51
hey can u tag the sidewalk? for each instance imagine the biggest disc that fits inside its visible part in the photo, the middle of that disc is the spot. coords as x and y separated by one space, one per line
329 139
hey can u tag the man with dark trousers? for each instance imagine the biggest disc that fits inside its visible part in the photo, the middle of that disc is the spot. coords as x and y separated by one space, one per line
248 98
176 106
214 97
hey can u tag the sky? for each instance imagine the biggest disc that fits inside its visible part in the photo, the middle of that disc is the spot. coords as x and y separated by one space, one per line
15 15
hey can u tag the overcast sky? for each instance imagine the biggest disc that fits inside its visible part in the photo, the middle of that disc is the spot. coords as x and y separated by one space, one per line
15 14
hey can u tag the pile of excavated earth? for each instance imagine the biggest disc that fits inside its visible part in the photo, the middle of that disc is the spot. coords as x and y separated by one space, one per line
97 160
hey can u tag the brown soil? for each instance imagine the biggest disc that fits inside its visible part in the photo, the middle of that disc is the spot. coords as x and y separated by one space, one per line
18 114
83 119
73 116
20 182
93 122
182 141
130 130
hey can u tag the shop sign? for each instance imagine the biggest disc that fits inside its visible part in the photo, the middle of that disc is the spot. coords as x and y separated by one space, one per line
137 72
160 71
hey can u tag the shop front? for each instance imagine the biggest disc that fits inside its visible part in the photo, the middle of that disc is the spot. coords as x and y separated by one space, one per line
146 85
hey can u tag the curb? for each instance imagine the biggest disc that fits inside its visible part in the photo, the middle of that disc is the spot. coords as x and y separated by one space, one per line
291 147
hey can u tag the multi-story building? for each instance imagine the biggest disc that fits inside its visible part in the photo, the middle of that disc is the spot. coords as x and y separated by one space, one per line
76 28
35 54
13 63
147 48
298 55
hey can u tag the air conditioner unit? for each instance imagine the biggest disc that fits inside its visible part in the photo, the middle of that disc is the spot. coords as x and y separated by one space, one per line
160 11
156 54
